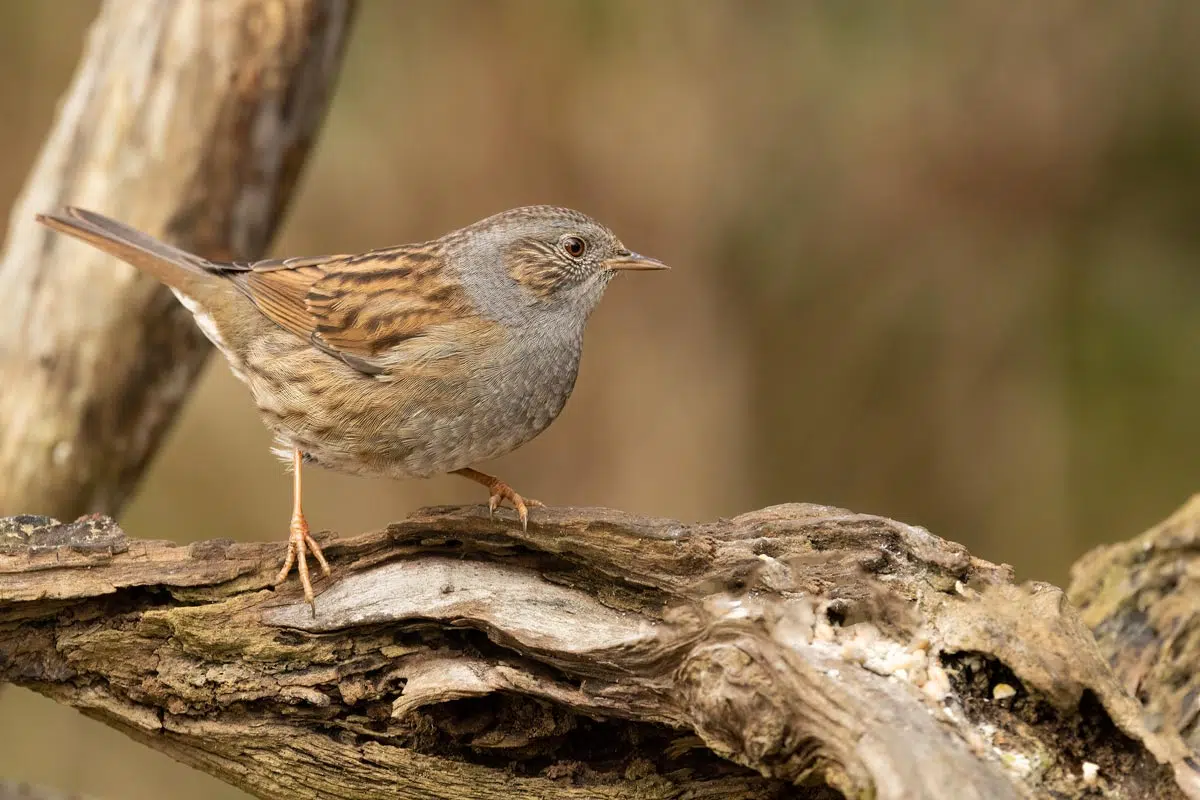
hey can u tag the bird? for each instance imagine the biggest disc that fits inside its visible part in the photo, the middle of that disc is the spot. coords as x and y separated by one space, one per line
403 362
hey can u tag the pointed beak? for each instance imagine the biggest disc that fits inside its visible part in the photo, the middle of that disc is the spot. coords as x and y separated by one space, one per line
632 261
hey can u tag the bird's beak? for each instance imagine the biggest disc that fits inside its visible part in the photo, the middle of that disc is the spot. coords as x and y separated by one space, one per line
633 261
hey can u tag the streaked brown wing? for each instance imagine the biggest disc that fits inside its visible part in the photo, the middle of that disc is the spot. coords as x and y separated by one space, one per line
281 294
370 306
358 308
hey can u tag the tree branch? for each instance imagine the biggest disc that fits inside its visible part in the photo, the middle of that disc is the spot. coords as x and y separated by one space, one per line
190 120
597 655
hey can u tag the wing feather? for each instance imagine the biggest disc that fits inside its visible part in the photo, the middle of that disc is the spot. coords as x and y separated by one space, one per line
359 308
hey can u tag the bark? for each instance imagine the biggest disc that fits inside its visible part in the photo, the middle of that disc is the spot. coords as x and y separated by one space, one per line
1140 599
796 651
190 120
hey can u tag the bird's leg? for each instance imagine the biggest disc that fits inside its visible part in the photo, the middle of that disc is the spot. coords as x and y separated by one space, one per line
300 542
501 491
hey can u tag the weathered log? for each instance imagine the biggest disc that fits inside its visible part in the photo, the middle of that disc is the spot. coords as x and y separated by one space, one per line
598 655
190 120
1140 598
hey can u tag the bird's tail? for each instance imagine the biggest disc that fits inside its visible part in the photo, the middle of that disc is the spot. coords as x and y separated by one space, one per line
174 267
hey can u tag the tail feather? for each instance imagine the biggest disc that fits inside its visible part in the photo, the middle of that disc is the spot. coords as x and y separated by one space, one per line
174 267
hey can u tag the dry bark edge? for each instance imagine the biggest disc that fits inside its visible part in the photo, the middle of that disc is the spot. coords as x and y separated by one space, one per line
1140 598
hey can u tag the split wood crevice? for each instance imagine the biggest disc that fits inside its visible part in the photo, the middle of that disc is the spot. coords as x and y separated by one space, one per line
1141 599
796 651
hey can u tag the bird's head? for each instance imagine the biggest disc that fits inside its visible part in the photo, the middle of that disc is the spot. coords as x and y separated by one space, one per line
561 258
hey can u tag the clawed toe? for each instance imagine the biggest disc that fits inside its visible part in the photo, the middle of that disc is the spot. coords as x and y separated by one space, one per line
300 545
503 492
500 492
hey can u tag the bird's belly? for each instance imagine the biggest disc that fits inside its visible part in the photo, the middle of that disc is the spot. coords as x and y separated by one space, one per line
362 425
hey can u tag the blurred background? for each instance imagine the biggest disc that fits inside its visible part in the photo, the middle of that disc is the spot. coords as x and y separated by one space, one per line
936 261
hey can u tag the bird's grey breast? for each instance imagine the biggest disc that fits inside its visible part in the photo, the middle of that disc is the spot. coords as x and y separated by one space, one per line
513 390
527 385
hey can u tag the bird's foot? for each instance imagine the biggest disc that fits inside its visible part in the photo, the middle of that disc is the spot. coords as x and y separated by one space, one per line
300 544
502 492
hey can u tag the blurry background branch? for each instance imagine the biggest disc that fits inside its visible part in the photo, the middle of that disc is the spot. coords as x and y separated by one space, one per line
599 655
190 120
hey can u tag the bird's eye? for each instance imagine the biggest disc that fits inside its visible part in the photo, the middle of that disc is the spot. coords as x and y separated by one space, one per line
574 246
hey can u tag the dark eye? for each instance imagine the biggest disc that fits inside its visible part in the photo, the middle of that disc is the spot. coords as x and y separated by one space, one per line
574 246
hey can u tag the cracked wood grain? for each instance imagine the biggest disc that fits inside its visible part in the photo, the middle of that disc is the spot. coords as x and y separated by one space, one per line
793 649
189 120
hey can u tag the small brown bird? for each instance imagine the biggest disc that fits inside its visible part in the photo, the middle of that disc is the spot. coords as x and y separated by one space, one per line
409 361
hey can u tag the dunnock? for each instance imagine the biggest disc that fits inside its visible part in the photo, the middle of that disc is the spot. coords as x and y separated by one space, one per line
406 362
